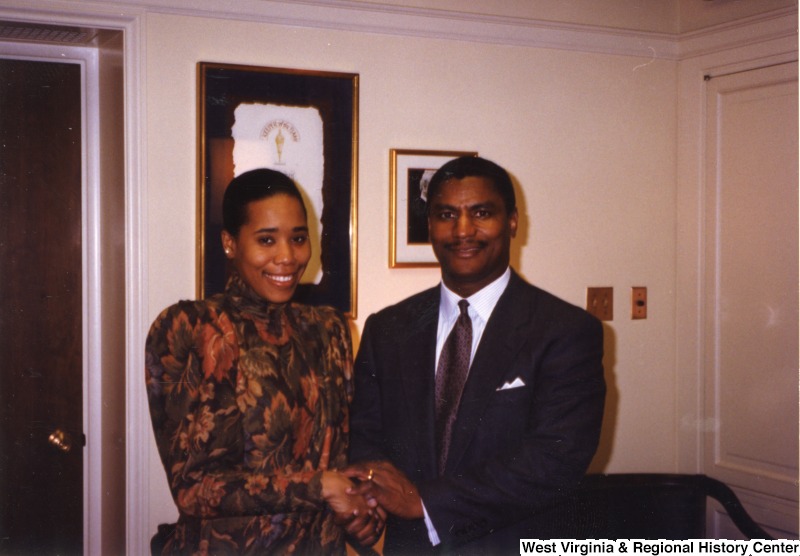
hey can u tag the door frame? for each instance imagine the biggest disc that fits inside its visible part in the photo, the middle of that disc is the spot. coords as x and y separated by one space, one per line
129 499
86 59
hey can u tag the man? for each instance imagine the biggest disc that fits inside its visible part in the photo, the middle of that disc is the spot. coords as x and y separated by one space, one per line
464 468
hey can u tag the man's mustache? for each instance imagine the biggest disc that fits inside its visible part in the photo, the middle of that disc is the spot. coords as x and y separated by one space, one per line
456 245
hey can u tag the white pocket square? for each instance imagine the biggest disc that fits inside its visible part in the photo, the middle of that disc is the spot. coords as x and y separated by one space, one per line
516 383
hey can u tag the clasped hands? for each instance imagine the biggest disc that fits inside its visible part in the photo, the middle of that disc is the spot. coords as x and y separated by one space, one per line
373 490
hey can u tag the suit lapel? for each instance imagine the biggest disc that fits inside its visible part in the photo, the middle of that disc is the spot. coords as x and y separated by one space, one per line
502 339
416 364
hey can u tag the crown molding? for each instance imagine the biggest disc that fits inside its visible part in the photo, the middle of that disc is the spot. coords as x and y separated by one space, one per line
78 13
348 15
774 25
344 15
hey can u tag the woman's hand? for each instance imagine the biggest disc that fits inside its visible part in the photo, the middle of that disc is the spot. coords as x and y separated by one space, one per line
363 524
385 486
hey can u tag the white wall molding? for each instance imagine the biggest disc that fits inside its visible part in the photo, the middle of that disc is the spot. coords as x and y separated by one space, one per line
139 439
430 23
390 20
344 15
77 13
778 24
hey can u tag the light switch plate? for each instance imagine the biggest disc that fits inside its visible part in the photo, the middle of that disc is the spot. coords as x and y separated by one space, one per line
600 302
638 302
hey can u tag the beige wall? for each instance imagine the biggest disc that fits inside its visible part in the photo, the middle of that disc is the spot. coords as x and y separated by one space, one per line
590 139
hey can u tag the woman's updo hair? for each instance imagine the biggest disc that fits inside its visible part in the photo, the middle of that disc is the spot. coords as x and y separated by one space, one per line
250 186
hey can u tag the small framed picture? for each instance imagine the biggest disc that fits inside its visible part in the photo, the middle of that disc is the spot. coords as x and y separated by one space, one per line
409 174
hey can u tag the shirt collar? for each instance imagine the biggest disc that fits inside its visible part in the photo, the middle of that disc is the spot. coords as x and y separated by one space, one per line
481 303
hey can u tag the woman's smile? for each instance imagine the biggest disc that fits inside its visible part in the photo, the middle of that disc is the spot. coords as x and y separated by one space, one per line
283 280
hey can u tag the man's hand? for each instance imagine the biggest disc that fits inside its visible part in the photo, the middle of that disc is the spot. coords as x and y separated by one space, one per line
362 522
365 531
385 486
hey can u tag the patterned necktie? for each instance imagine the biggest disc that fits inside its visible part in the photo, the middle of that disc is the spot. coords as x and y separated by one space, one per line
451 374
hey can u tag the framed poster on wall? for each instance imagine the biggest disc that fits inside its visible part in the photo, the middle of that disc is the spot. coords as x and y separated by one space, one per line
302 123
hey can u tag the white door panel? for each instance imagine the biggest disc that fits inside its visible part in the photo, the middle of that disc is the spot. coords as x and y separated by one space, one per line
751 285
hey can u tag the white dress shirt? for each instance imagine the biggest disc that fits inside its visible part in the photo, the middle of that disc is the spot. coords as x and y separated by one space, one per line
481 305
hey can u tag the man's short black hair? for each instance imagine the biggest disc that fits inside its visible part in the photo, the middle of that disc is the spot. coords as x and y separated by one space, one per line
474 166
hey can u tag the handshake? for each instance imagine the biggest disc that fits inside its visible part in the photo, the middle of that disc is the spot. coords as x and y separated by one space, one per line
363 494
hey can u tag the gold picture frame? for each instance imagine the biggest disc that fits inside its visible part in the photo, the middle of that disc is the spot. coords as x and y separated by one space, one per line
303 123
409 170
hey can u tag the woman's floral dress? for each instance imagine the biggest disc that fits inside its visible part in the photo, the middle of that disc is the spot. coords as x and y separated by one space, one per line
249 402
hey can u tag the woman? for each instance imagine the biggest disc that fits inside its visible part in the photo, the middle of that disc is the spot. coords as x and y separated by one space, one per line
249 394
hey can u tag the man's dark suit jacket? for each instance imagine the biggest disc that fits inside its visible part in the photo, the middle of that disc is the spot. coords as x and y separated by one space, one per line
513 450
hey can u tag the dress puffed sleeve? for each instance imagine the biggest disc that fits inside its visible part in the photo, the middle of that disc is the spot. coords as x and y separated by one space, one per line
339 377
215 446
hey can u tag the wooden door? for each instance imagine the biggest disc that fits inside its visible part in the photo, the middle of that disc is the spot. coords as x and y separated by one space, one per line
41 354
751 324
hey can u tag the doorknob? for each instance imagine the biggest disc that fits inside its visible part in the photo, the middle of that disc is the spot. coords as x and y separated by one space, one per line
60 440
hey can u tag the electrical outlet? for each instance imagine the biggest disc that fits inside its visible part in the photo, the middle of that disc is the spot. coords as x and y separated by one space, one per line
638 302
600 302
